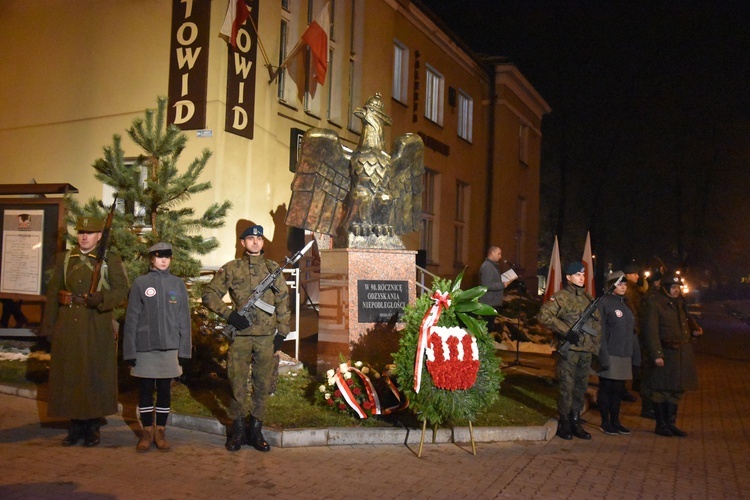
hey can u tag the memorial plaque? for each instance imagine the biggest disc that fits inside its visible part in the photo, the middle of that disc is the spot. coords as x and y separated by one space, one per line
380 300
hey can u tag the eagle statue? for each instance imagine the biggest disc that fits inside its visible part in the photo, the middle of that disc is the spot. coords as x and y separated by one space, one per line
364 198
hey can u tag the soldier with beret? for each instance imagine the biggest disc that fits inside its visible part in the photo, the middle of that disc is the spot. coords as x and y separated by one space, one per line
668 331
559 314
83 366
256 340
156 340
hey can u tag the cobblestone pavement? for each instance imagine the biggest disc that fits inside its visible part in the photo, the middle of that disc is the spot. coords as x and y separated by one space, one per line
712 462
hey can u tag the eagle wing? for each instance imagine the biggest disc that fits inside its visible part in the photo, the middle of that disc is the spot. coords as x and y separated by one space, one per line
320 184
407 161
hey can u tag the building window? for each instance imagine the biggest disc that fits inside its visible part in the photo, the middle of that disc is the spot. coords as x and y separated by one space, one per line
430 215
283 40
355 64
332 32
465 115
287 90
400 72
337 63
461 225
433 102
523 145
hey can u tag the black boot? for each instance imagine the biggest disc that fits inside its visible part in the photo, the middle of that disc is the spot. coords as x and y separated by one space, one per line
234 442
615 416
576 427
92 432
255 437
647 408
75 432
672 418
602 401
563 428
607 427
662 429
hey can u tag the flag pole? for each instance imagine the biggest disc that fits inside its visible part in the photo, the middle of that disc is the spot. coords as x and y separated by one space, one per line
268 65
286 61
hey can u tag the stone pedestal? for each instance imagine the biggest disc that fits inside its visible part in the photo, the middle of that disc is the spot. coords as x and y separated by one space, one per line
366 282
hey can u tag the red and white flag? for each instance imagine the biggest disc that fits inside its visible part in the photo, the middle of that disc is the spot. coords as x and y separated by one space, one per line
554 275
316 37
237 14
588 265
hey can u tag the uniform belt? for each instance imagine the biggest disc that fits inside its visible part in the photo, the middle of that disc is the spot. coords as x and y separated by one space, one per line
670 345
79 300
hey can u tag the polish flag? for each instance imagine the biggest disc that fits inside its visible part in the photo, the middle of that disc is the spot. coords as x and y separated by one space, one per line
237 14
588 264
554 275
316 37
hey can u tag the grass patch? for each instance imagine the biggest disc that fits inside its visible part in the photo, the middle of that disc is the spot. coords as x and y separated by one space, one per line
524 399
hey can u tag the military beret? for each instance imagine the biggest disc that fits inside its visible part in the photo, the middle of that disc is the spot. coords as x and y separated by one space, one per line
631 268
255 230
161 249
613 276
574 267
89 224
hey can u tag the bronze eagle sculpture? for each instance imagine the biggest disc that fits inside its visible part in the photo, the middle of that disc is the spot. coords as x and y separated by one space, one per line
364 198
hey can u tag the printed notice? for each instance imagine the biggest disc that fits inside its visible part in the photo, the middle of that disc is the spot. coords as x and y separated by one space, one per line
21 269
381 301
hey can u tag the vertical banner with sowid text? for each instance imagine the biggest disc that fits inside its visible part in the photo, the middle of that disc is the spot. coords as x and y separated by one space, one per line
240 114
188 63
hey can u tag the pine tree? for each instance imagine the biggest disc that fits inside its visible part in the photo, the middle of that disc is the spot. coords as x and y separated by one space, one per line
152 210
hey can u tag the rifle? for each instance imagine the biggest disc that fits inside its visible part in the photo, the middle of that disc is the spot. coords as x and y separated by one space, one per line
248 307
587 313
101 251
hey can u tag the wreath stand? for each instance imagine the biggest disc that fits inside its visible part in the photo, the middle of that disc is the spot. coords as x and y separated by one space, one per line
434 434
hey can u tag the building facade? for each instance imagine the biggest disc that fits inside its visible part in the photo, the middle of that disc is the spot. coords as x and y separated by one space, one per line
75 73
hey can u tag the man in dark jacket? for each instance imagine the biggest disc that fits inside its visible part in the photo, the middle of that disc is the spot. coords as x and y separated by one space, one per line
668 331
491 277
83 367
255 342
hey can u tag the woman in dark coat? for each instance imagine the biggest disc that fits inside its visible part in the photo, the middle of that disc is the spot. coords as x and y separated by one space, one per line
668 331
618 352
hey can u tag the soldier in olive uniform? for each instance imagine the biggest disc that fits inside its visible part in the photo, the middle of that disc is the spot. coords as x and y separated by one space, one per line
668 331
83 367
256 341
562 310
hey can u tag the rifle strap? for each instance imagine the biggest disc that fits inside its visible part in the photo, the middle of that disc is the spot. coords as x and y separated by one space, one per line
85 261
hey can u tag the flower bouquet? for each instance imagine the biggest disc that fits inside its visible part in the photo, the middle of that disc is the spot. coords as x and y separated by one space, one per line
349 389
446 363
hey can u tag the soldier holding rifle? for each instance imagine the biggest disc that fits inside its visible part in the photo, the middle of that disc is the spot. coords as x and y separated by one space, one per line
259 333
576 342
85 287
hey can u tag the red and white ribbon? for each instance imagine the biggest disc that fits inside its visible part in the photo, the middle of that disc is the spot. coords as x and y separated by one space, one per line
431 316
348 395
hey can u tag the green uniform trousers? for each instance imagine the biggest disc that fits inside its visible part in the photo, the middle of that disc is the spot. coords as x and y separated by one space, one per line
573 380
253 356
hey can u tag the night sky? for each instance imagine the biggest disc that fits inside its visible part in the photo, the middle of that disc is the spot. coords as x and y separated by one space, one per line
648 142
